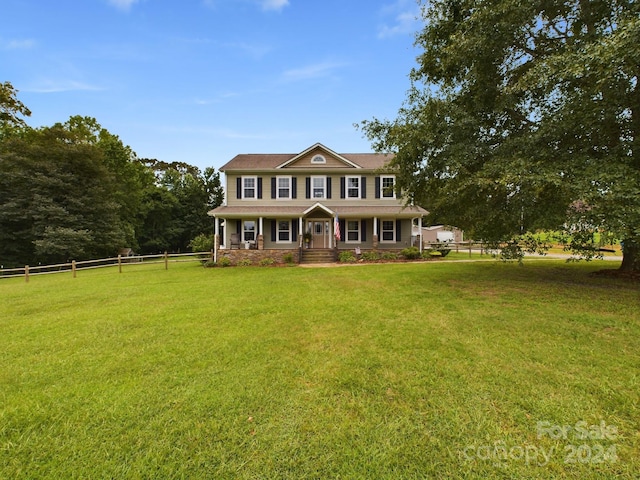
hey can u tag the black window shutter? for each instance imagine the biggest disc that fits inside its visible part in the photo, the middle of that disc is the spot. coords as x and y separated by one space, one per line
259 187
398 230
294 230
239 187
294 187
273 230
377 187
238 227
343 231
328 187
363 189
378 229
342 187
363 231
273 187
308 186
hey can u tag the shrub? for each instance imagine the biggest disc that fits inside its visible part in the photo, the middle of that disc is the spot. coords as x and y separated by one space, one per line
287 258
266 262
410 253
202 243
389 256
224 262
208 264
245 262
346 257
370 256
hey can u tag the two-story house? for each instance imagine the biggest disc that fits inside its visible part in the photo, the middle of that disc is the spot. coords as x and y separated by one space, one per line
316 199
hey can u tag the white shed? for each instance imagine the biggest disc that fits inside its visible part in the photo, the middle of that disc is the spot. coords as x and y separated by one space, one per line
441 234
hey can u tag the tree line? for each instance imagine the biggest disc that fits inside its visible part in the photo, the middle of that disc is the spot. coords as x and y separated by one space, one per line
74 191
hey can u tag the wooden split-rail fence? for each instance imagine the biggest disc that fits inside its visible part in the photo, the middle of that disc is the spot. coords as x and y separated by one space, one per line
121 260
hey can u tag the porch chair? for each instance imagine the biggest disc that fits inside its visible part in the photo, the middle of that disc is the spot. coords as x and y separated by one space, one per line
235 240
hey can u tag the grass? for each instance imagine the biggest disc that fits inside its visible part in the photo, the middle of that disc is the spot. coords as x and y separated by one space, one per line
426 370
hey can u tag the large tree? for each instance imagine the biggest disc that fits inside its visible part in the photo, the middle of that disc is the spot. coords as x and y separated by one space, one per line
57 200
11 109
524 115
130 176
176 206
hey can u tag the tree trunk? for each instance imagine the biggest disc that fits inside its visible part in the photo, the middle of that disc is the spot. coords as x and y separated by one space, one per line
630 256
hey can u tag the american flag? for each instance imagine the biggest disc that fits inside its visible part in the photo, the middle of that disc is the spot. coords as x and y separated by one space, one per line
336 228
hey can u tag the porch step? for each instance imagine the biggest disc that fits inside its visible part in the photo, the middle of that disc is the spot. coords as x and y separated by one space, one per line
318 255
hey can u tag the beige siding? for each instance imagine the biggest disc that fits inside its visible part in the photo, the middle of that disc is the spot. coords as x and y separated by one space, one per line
331 162
305 162
301 199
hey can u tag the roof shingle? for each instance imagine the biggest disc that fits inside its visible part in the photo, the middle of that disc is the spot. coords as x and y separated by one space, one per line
269 161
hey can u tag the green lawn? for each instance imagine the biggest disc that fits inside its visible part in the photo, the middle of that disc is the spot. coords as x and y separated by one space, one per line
426 370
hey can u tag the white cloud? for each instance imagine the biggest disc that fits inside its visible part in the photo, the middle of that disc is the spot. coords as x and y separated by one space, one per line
406 19
254 50
274 4
52 86
317 70
266 5
17 44
219 99
122 4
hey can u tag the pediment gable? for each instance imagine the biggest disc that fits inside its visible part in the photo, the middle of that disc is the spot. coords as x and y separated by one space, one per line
318 156
319 209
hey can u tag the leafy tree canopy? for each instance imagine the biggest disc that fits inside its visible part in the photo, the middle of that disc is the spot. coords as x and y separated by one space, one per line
76 191
522 116
11 109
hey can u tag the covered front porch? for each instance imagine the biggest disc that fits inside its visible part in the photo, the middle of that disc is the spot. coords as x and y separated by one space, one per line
273 230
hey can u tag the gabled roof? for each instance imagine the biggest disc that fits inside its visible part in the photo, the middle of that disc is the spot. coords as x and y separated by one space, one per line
321 148
272 161
319 206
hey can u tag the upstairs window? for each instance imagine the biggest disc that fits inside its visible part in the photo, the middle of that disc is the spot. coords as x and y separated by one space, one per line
249 187
318 187
353 187
387 185
284 187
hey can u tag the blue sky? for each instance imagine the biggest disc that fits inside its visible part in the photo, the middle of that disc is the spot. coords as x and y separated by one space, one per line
200 81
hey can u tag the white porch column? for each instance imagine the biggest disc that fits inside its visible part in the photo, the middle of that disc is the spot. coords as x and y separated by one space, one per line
375 225
300 231
216 238
420 232
334 239
260 235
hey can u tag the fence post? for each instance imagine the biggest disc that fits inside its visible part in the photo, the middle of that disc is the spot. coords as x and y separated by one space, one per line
119 263
73 268
26 273
166 261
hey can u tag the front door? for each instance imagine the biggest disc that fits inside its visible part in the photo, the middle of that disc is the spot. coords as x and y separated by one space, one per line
319 233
